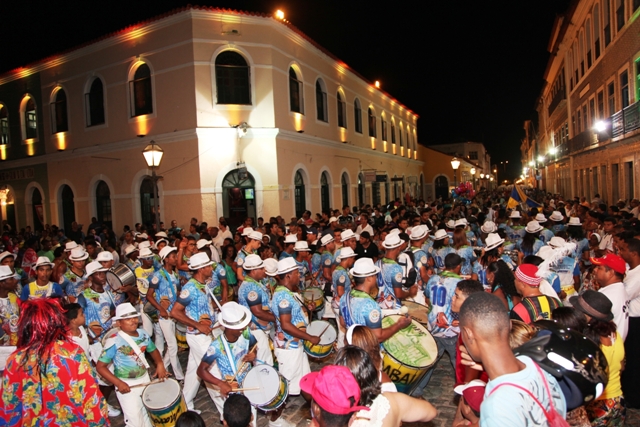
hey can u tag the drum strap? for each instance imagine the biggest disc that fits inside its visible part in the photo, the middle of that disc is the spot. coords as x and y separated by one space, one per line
232 362
135 348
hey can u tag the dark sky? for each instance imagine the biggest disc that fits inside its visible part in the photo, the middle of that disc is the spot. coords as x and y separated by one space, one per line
472 70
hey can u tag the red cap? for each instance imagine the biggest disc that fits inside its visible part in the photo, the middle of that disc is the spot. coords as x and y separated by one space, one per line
473 393
528 273
613 261
333 388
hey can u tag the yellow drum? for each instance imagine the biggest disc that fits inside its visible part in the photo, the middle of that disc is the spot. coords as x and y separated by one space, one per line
408 354
181 336
327 339
314 296
417 312
164 403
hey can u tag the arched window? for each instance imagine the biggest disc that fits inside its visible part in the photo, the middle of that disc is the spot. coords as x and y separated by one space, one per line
400 135
68 207
357 115
342 111
238 197
372 123
295 92
321 101
375 193
94 103
393 132
37 212
582 55
59 122
596 30
300 198
232 79
387 193
324 192
587 29
4 125
344 182
30 120
141 93
383 124
103 204
146 202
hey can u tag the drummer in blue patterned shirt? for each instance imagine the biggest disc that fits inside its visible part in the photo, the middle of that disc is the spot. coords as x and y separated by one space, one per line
162 294
359 307
253 295
254 240
291 323
391 278
194 308
342 285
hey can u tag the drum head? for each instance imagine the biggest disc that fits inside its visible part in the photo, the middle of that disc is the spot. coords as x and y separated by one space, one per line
412 346
143 285
417 311
267 379
317 326
161 395
113 281
109 334
312 293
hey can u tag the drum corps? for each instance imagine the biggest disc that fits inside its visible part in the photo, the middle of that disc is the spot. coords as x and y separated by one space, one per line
255 305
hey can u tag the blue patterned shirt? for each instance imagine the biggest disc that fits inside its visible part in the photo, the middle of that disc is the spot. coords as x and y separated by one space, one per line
440 290
342 279
389 278
284 302
97 308
197 304
165 287
218 353
358 308
252 293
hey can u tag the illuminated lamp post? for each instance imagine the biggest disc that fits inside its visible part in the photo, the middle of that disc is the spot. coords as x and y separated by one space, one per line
153 156
455 164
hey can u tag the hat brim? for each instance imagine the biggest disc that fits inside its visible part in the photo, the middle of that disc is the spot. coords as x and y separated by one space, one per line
128 316
493 246
394 246
254 267
198 267
418 237
243 323
50 264
595 261
537 230
173 249
9 254
576 302
84 257
375 271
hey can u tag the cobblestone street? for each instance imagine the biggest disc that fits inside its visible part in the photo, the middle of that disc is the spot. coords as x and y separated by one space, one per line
439 393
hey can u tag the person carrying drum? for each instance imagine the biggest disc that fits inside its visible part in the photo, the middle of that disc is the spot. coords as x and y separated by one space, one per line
72 282
303 258
162 295
391 279
419 236
253 295
342 285
359 306
42 287
291 322
194 308
230 355
254 240
328 247
126 351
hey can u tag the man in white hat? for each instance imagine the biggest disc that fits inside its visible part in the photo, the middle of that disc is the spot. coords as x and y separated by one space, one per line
341 284
9 307
97 301
194 308
419 236
254 241
303 259
254 295
231 355
42 287
359 305
291 321
72 282
348 240
327 248
391 275
289 245
558 222
162 295
8 259
125 350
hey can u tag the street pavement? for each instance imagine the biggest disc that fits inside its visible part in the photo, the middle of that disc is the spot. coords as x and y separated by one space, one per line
439 393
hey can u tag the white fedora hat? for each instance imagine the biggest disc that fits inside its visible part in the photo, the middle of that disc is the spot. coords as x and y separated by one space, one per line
125 311
199 260
164 252
364 267
541 218
492 241
234 316
286 265
440 234
78 254
533 227
301 246
392 241
252 262
488 227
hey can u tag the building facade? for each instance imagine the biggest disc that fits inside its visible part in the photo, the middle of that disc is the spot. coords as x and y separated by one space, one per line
588 139
255 119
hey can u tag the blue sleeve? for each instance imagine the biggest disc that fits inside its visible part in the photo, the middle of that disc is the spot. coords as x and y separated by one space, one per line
397 280
373 319
576 269
186 296
57 290
108 354
254 297
25 293
83 302
556 284
284 306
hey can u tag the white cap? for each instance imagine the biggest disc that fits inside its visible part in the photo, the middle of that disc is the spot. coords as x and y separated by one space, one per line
301 246
94 267
252 262
125 311
364 267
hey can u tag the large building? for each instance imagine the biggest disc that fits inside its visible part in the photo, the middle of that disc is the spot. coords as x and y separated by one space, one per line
254 117
588 138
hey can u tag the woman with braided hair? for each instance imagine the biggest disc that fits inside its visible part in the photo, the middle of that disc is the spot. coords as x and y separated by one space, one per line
48 379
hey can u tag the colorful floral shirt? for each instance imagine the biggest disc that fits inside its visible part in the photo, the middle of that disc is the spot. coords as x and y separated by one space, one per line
71 283
126 363
197 304
284 302
253 293
217 352
9 315
97 308
165 287
64 394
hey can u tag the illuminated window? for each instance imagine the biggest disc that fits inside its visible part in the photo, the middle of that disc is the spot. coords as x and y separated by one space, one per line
400 135
94 103
59 121
357 115
4 125
141 92
372 124
30 120
321 102
232 79
342 111
295 92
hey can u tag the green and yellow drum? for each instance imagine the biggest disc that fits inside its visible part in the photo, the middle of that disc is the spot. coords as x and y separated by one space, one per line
164 403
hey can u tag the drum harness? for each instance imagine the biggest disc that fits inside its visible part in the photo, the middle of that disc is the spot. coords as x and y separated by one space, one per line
135 348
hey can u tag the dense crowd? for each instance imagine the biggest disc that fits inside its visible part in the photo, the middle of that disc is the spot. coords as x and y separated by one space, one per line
537 307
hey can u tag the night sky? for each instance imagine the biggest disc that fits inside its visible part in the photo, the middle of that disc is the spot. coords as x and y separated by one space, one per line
472 70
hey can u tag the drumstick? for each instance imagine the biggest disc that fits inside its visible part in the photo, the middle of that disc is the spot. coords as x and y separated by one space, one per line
245 389
244 363
146 384
324 330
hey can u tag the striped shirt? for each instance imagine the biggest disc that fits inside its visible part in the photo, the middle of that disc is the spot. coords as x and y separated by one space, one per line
531 309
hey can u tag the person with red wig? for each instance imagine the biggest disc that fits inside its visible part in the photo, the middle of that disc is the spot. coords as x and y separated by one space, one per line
48 379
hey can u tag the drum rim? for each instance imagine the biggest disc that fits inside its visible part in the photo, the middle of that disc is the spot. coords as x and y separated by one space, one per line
406 364
270 368
266 407
332 327
168 380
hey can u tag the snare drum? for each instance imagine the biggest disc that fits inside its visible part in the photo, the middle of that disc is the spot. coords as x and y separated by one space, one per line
181 335
273 388
120 276
164 402
408 354
314 296
328 338
418 312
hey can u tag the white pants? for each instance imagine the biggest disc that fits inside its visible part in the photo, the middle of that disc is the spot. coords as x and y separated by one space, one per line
168 330
135 414
341 330
293 364
264 349
198 344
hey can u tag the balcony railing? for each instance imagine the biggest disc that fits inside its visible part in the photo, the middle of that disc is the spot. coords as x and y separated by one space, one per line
619 124
557 99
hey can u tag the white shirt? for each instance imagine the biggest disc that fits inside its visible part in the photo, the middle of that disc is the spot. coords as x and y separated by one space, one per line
366 228
632 286
607 242
617 294
82 340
